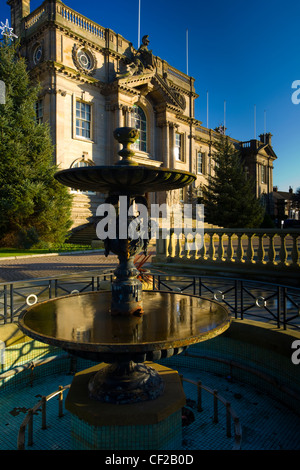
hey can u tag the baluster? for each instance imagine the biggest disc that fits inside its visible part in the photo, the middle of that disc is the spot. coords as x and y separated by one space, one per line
283 250
240 249
193 246
172 245
261 249
271 250
250 249
189 246
221 248
202 251
211 248
295 251
230 248
177 246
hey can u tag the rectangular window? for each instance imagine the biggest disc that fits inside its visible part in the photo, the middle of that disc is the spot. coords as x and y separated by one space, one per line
178 150
83 120
263 174
200 163
39 111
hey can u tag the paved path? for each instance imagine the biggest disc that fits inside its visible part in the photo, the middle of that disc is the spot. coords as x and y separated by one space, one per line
21 269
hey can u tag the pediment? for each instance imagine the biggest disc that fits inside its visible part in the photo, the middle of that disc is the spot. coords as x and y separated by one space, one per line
268 151
150 83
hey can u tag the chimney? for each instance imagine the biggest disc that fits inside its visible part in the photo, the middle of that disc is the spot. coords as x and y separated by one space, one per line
19 9
290 190
266 138
275 189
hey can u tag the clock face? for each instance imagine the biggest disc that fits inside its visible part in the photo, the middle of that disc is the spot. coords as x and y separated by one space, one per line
37 54
85 59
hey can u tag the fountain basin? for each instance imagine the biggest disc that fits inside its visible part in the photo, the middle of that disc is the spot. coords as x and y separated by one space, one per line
125 180
83 325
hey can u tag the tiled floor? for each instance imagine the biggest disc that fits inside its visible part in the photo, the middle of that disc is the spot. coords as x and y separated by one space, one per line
266 424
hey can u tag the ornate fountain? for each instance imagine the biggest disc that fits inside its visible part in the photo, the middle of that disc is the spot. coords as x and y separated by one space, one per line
124 330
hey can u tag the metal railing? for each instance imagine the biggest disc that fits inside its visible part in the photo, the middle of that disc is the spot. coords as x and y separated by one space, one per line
17 296
275 303
28 420
231 416
252 299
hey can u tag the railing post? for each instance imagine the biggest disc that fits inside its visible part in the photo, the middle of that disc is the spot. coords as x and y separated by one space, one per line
215 420
60 402
228 420
199 396
5 303
278 305
30 428
21 438
284 306
44 413
11 295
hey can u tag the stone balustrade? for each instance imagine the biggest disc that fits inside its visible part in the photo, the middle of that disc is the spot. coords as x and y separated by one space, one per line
56 10
254 251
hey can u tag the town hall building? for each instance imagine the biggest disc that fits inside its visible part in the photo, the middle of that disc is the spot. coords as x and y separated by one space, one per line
93 80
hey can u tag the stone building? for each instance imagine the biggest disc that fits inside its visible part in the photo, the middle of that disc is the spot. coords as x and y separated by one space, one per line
93 81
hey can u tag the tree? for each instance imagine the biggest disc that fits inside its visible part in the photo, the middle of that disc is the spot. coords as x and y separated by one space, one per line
229 198
34 207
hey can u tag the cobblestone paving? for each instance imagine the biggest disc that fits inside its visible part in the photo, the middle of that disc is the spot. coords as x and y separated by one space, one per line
21 269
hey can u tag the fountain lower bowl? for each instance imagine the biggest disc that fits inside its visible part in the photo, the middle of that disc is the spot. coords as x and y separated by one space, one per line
83 325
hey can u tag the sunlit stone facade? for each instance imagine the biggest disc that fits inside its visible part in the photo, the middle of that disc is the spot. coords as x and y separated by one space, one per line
93 81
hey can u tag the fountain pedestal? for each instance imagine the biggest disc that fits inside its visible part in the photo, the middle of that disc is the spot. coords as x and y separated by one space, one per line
108 426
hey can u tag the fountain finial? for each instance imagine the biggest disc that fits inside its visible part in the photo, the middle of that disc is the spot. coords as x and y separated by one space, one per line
126 136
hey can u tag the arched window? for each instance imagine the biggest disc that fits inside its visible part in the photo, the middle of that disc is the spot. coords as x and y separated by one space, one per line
80 162
140 123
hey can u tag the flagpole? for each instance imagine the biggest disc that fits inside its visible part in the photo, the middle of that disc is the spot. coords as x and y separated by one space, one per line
265 127
224 117
187 51
255 121
207 109
139 24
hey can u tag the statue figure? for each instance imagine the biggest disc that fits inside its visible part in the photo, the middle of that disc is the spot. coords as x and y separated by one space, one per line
139 62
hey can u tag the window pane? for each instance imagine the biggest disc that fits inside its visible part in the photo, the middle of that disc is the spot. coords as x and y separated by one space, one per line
140 123
83 121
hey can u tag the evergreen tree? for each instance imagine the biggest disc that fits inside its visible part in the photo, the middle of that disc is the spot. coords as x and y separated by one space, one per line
229 198
34 207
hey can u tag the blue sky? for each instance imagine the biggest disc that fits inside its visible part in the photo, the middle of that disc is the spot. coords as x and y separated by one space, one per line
244 53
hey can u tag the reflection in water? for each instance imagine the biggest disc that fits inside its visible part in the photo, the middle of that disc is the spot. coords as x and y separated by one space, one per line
86 318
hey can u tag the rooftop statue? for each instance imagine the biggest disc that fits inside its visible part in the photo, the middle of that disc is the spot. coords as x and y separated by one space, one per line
139 61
